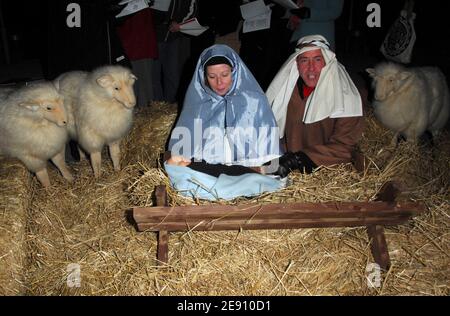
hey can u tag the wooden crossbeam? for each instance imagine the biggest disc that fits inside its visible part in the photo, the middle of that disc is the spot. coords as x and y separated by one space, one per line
374 215
288 215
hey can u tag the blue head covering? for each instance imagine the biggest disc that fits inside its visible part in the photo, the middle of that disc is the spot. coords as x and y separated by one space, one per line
237 128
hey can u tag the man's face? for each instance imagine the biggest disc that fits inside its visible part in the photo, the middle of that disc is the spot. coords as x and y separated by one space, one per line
309 66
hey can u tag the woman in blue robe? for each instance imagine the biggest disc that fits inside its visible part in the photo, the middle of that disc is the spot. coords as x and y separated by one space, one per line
225 134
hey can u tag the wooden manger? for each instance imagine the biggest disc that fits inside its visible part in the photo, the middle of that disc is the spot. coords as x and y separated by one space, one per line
385 211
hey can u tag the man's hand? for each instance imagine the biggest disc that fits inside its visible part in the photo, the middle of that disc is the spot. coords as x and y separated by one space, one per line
287 163
293 161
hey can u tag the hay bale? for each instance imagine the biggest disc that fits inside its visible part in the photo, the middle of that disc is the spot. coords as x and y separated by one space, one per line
14 199
321 261
150 132
82 224
85 224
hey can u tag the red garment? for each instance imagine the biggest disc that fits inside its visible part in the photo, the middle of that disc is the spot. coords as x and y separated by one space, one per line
138 36
307 91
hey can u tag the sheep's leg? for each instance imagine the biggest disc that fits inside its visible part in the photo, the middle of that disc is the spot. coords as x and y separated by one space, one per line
96 161
81 153
43 178
60 163
114 151
394 141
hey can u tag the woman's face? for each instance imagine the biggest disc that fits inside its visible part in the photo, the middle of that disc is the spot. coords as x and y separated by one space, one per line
219 78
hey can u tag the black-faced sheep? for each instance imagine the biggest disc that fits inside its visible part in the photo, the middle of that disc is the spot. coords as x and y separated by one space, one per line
33 129
410 101
101 105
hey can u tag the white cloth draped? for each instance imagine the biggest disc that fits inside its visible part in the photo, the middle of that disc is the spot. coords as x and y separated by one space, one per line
335 95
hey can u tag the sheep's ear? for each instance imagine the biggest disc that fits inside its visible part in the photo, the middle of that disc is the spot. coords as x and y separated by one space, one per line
133 77
371 72
30 106
405 75
105 81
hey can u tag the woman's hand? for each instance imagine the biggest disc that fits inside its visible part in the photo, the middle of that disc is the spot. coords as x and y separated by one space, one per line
178 161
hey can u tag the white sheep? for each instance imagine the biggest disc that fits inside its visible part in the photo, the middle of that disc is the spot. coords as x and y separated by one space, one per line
33 129
68 85
101 109
410 101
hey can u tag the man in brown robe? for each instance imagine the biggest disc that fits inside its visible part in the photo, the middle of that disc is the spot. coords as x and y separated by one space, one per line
328 134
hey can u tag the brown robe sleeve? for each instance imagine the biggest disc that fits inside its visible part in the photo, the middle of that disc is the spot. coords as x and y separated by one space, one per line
341 142
327 142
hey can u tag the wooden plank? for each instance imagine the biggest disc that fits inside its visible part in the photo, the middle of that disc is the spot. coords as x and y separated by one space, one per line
147 216
161 196
163 235
385 215
175 224
378 246
373 215
294 211
313 209
268 224
163 247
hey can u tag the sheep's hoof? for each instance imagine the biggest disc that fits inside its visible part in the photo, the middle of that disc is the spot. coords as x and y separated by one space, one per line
69 178
43 178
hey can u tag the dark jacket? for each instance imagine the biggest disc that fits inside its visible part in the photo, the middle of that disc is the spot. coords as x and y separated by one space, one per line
179 11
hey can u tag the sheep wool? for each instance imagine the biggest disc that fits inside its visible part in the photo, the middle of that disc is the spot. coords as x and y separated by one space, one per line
410 101
68 85
104 112
33 128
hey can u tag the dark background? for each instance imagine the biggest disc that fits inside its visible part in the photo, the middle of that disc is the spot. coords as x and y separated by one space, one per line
39 44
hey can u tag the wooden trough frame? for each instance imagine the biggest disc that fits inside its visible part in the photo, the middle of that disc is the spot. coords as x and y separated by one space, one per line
163 219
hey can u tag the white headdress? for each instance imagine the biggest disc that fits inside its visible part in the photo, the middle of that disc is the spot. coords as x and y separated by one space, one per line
334 96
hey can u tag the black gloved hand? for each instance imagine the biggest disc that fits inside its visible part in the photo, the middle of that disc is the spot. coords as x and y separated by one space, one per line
286 163
302 13
294 161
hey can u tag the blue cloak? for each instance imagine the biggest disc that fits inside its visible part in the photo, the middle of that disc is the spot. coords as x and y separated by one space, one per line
238 128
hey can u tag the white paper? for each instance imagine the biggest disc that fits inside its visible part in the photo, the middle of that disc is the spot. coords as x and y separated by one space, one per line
260 22
288 4
133 6
161 5
192 27
253 9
